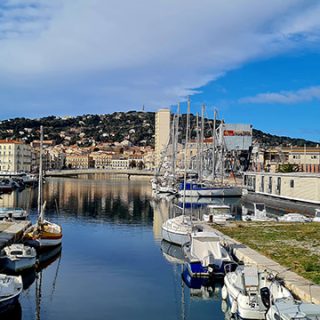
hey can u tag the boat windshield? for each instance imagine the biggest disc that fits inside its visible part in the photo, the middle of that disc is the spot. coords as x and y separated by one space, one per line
16 252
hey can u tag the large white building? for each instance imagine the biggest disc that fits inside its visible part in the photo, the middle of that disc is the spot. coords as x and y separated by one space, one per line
162 133
15 156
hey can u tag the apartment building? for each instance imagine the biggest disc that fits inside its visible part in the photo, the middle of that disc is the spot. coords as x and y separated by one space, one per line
15 156
162 133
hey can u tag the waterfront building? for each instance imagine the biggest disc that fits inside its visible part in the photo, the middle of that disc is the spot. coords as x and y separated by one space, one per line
297 186
120 163
79 161
306 159
102 160
15 156
162 133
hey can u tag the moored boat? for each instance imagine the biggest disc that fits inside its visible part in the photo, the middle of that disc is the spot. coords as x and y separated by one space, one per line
205 255
18 257
196 189
177 230
247 290
10 289
15 213
217 214
294 217
43 234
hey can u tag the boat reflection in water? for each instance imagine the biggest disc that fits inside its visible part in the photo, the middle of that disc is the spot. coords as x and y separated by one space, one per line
14 312
202 288
172 252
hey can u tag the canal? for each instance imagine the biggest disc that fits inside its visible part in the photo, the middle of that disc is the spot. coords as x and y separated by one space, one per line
113 264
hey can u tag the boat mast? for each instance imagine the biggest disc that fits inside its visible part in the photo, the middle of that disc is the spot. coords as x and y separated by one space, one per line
173 145
214 145
185 158
198 145
176 138
201 142
40 174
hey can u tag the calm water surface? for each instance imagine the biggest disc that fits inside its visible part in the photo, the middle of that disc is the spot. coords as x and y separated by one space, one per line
111 265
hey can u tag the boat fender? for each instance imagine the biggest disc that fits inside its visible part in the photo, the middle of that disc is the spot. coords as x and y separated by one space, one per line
234 307
224 306
224 293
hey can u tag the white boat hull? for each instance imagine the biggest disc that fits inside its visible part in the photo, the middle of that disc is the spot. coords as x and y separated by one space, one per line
214 192
175 237
44 243
20 264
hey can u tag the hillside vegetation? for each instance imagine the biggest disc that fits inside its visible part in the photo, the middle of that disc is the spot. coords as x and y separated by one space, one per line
137 127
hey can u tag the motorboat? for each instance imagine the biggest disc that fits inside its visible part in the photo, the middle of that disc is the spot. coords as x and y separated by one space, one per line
196 189
294 217
205 255
290 309
43 234
217 214
177 230
18 257
316 216
259 214
15 213
247 289
10 289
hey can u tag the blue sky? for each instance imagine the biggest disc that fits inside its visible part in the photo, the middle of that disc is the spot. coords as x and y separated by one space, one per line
256 61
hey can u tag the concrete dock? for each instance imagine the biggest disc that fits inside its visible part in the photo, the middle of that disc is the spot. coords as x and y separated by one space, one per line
12 231
304 289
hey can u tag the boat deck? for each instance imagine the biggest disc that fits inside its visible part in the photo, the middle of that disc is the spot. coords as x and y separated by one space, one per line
12 231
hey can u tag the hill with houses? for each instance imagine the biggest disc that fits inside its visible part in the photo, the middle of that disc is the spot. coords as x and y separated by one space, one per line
136 128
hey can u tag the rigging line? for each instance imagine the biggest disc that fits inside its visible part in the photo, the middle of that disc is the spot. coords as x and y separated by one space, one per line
55 277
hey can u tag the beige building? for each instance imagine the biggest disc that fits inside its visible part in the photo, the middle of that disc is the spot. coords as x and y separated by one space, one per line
162 133
296 186
102 160
307 159
15 156
81 161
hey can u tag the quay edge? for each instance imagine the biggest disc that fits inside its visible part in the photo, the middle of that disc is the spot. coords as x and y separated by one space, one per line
304 289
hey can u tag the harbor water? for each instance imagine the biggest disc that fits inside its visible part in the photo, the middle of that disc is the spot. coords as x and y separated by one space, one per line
112 264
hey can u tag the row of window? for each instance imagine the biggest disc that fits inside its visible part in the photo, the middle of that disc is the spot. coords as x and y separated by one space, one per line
299 156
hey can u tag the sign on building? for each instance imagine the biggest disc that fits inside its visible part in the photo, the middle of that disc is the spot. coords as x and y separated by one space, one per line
237 136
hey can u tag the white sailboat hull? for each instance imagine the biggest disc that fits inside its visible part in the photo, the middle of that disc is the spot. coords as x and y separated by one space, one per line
177 230
214 192
44 243
175 237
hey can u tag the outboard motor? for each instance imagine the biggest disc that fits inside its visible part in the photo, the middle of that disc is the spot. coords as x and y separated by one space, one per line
265 296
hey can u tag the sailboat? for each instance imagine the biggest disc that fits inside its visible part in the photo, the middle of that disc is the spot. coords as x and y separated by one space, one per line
211 188
178 229
43 234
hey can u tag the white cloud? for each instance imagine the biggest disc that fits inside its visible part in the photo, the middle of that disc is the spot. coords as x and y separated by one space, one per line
285 97
112 53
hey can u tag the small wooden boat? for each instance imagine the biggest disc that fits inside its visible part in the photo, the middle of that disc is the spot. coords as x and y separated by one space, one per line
18 257
43 234
10 289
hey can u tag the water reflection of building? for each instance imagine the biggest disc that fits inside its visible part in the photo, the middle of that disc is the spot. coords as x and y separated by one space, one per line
101 195
161 210
17 199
